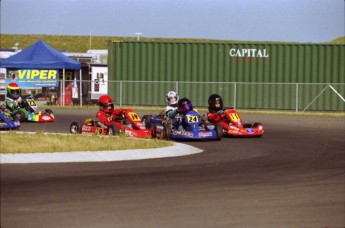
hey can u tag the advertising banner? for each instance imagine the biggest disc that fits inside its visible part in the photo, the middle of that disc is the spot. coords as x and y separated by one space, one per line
99 83
33 78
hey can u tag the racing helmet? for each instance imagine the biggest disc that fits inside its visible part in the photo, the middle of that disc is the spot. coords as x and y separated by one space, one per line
184 105
13 91
106 103
215 102
171 98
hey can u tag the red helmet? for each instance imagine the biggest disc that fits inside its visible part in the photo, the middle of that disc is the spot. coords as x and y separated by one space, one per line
106 104
13 90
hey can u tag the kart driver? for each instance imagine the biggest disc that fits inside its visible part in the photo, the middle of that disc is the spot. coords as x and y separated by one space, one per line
13 98
107 113
184 105
171 99
215 110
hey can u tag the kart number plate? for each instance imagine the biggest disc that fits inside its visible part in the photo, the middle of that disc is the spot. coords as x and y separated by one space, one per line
192 119
134 116
234 117
31 102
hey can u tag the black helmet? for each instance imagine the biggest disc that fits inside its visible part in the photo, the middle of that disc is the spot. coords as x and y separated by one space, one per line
213 100
184 105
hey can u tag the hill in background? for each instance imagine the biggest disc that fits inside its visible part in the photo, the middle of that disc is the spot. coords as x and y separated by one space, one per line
340 40
84 43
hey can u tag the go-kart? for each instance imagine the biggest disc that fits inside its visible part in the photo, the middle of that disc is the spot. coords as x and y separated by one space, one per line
238 128
28 111
130 124
7 122
184 127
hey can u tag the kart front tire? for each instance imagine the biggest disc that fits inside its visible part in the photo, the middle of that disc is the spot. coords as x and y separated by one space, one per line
219 131
75 128
19 115
113 130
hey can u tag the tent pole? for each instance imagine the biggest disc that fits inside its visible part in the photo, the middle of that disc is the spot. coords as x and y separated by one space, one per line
63 87
80 87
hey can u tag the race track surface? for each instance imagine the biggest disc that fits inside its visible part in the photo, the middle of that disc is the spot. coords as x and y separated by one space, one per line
294 176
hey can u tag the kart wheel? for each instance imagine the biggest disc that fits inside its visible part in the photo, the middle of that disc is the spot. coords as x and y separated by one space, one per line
147 121
113 130
50 112
219 131
167 131
75 128
19 115
255 125
247 125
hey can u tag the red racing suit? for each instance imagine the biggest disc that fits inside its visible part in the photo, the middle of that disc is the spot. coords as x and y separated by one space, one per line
107 118
215 118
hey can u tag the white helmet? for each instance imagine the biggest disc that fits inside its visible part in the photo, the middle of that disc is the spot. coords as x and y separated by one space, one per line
171 98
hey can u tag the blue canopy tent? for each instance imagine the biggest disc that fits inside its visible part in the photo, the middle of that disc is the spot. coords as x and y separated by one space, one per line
41 56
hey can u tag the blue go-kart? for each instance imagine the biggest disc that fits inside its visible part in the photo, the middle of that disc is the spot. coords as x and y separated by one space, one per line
189 126
7 122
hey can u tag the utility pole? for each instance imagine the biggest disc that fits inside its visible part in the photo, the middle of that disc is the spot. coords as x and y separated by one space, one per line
139 33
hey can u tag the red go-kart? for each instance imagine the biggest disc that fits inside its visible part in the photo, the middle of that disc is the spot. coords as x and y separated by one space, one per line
238 128
130 124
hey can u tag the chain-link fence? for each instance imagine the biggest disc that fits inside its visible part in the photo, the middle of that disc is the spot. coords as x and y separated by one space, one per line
265 96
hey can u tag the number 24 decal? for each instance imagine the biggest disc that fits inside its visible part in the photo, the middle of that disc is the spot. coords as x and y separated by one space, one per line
192 119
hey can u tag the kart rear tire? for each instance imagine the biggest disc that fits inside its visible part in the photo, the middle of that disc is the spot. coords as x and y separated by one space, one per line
219 131
255 125
167 131
147 121
19 115
113 130
75 128
247 125
50 112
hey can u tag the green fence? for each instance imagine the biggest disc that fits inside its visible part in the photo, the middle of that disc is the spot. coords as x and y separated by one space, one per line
266 96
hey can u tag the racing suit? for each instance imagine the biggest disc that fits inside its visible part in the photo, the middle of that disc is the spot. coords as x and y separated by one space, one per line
107 118
216 117
171 111
12 104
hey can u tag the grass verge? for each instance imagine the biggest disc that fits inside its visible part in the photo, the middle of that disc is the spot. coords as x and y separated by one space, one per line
15 143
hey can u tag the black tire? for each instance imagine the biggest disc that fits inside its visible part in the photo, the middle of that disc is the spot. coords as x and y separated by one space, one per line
247 125
113 130
219 130
147 121
256 125
167 131
49 111
19 115
75 128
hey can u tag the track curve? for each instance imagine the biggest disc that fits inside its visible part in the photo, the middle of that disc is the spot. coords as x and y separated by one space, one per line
294 176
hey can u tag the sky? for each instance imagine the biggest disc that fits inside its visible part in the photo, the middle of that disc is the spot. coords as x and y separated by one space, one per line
307 21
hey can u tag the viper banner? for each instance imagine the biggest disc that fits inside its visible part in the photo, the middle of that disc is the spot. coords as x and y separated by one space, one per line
33 78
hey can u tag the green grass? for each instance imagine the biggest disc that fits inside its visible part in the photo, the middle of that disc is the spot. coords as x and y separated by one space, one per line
14 143
82 43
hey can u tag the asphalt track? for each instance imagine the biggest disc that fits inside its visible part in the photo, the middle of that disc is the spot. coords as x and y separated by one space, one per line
294 176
